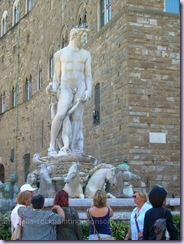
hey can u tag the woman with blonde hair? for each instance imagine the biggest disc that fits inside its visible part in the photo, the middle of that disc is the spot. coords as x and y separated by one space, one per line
135 231
99 214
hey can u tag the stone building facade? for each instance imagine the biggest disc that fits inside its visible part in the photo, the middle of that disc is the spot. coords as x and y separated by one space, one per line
134 112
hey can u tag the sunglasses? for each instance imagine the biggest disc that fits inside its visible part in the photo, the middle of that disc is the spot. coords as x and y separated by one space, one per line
134 196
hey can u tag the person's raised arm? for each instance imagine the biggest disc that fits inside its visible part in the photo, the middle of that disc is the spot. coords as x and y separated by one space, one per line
59 211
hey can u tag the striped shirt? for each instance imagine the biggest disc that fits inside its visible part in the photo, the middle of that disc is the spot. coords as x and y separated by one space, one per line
39 224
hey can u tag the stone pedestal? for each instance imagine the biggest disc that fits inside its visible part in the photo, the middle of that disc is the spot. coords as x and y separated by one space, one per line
59 165
122 207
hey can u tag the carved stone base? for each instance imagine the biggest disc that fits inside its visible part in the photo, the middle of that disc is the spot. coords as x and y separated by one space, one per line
58 165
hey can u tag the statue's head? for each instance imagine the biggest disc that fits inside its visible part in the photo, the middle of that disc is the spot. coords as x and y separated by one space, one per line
31 179
79 34
13 178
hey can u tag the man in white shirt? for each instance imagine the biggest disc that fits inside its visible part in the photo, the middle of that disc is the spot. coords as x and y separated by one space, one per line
24 199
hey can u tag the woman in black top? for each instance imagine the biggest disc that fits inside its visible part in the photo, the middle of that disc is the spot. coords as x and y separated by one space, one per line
70 229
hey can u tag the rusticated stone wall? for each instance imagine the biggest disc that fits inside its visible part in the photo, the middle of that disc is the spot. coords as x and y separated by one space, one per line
136 60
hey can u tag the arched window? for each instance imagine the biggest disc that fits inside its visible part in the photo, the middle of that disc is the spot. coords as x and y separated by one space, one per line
13 97
51 67
15 18
96 111
28 89
2 173
64 41
4 23
28 5
82 16
26 158
63 38
39 84
105 12
2 104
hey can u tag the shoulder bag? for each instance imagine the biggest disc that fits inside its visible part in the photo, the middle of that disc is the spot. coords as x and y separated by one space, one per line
110 238
17 233
138 230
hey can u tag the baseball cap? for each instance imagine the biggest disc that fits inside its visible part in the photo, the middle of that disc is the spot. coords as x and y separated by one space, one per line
27 187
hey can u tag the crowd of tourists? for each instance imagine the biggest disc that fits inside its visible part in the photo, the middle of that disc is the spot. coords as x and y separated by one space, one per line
62 222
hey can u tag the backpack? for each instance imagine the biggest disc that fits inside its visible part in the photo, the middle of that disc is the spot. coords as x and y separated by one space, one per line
160 227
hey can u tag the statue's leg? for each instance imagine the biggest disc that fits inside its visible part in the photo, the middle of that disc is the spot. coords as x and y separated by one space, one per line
77 127
65 100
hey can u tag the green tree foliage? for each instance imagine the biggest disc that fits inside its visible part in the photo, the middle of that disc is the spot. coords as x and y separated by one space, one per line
5 226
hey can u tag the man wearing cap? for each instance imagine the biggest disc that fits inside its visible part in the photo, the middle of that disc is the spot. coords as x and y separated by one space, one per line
157 197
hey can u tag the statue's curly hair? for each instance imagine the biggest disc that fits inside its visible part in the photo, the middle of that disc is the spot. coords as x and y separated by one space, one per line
77 31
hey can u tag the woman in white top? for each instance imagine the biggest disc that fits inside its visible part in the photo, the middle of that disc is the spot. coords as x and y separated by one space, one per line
140 199
24 200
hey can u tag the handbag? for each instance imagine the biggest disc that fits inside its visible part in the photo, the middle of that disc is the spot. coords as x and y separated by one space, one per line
17 233
138 230
110 238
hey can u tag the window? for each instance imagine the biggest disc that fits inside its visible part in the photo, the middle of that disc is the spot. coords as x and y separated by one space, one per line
82 22
29 5
15 13
64 42
105 12
13 97
42 134
172 6
50 67
4 23
12 155
2 100
28 38
63 38
26 162
15 20
28 89
39 86
2 173
96 111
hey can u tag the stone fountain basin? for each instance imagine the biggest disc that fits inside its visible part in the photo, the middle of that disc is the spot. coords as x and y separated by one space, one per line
122 207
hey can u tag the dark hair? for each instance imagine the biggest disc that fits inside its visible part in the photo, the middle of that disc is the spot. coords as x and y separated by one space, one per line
157 195
61 199
37 201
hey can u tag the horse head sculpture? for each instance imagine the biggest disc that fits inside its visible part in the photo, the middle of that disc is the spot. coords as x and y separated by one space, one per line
72 181
98 177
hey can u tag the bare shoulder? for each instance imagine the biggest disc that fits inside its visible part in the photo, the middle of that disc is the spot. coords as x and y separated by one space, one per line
58 54
86 52
111 213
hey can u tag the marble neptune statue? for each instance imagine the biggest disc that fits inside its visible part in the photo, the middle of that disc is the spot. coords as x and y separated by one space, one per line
72 81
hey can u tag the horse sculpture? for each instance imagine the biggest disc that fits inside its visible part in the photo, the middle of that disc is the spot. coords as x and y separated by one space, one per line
98 177
124 182
72 180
